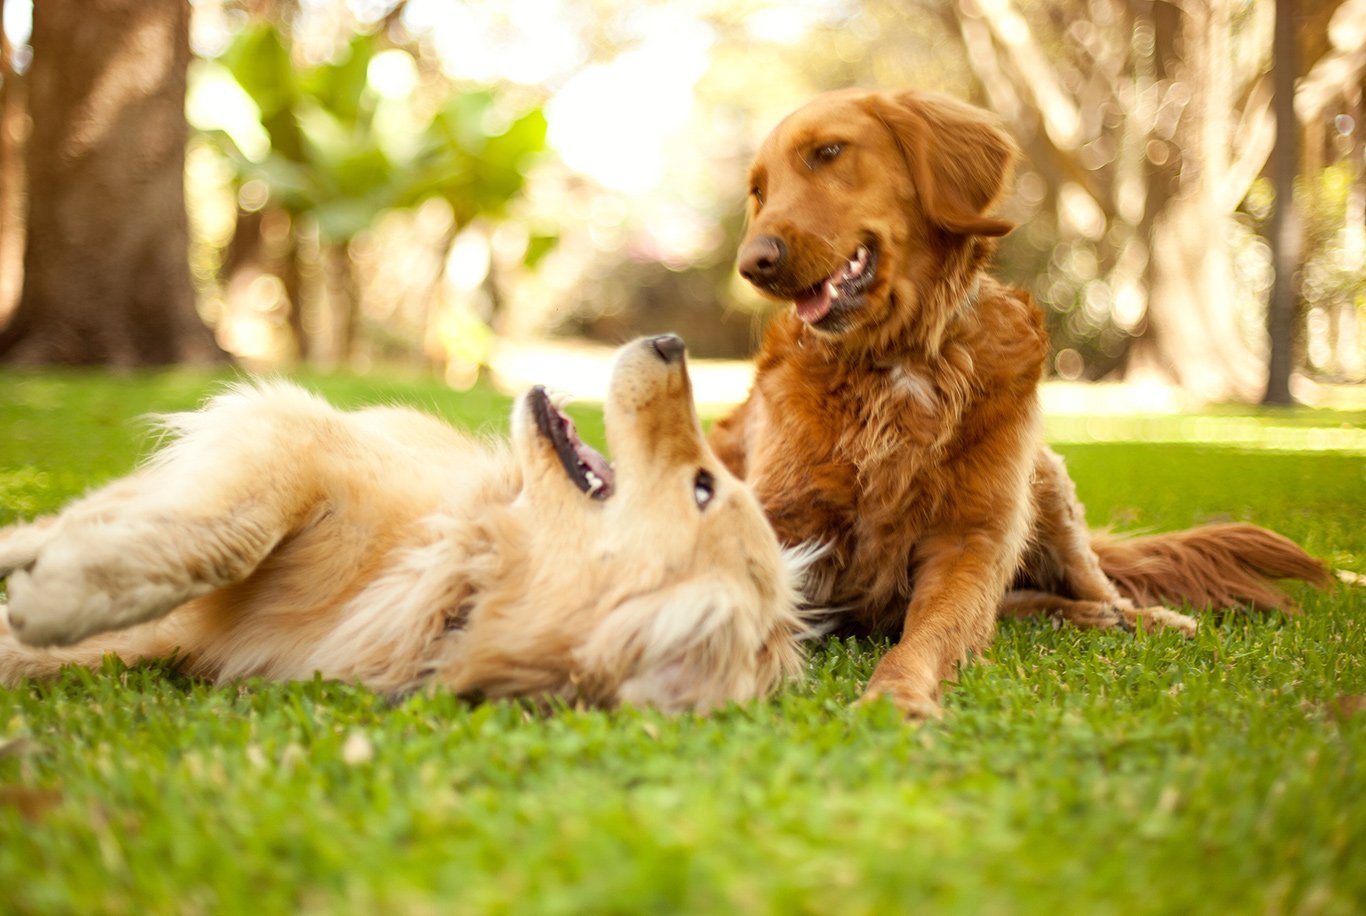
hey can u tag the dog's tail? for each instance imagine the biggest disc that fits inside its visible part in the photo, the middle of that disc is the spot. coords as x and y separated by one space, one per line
1214 566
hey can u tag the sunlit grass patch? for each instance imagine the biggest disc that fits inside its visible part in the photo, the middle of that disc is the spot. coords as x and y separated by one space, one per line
1315 431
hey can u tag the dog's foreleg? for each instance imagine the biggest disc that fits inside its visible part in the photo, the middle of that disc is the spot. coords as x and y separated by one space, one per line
202 515
951 615
963 565
134 552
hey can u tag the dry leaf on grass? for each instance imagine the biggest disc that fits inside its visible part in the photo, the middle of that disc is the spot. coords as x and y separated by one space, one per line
1346 706
31 804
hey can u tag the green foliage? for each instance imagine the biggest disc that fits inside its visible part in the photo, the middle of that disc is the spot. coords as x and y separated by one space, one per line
343 153
1075 771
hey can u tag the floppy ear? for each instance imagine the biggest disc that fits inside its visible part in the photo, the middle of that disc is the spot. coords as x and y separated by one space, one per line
689 646
958 158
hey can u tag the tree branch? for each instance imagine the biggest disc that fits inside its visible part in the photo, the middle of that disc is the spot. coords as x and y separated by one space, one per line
1060 116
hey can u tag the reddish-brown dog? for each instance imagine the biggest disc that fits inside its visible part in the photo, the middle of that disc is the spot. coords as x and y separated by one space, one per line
895 414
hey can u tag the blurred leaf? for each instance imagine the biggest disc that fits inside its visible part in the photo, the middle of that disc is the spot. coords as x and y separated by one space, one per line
260 63
461 120
342 86
328 157
538 247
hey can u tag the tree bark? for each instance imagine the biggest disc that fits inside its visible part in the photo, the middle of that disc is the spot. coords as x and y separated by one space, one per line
1192 333
1285 224
11 177
106 274
292 276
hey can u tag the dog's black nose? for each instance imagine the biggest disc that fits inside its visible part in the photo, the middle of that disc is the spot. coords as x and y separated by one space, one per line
761 258
668 346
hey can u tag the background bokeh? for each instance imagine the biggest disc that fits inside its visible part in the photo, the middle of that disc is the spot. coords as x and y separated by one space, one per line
374 183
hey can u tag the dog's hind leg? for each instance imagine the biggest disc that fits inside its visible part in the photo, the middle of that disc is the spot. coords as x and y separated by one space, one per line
1063 559
1091 614
158 639
1025 602
203 514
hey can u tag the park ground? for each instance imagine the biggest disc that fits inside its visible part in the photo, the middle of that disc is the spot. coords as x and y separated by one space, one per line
1074 772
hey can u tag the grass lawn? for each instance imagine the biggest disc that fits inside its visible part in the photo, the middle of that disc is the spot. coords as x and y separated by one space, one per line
1074 772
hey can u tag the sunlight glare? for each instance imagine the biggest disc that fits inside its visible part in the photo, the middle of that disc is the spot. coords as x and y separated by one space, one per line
392 74
215 101
18 21
615 122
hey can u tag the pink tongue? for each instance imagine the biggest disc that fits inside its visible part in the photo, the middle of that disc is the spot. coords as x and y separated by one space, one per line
596 463
814 306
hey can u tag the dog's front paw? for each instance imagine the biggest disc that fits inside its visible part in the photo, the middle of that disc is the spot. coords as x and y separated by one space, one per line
38 602
914 705
21 544
54 607
86 582
1159 618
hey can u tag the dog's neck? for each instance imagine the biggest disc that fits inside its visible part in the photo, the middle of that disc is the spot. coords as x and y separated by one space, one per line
968 301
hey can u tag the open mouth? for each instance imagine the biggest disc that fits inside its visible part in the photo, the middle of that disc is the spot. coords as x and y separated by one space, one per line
585 465
841 290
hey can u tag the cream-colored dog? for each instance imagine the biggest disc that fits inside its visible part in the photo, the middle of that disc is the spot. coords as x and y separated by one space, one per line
278 537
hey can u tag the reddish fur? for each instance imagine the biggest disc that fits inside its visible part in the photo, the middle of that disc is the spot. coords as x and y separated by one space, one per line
1216 566
907 438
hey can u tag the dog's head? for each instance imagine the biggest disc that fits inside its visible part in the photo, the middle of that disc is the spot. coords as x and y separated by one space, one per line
653 579
858 198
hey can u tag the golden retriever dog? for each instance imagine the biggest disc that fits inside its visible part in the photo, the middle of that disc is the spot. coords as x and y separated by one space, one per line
279 537
895 413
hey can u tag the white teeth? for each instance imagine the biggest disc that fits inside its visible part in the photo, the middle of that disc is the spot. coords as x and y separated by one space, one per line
594 482
832 289
857 264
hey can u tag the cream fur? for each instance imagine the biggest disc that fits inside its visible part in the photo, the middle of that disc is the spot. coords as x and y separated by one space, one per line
277 536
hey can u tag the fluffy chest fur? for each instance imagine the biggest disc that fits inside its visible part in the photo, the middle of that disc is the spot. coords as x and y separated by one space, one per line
868 456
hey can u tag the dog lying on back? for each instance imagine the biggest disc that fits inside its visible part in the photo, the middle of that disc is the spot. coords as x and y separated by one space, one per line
279 537
895 412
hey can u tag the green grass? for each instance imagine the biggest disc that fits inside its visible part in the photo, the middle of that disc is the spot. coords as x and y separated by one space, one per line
1075 772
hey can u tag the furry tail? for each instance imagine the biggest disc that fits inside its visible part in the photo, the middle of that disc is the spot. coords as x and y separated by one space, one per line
1214 566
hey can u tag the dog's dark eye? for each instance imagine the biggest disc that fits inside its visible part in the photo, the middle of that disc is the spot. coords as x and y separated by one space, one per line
826 153
758 195
703 488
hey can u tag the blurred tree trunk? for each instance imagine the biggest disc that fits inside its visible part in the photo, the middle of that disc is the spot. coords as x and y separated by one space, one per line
1192 334
1164 133
1285 224
106 276
292 276
342 307
11 176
